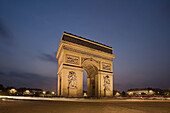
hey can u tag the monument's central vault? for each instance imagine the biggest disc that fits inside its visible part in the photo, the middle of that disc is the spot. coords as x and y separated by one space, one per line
76 54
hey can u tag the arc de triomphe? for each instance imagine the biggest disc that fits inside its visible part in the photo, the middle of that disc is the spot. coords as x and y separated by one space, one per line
76 54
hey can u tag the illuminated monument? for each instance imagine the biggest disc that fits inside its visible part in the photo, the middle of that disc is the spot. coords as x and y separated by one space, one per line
76 54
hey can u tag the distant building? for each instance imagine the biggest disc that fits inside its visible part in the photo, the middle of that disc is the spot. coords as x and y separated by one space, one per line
117 94
27 92
12 91
34 91
148 92
140 92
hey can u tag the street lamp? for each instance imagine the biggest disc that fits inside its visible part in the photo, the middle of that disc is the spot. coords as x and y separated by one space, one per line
44 93
53 93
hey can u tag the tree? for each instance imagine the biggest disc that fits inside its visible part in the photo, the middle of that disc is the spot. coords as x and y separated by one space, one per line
21 91
1 87
123 94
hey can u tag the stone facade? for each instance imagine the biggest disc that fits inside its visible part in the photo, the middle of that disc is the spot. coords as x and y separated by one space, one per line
76 54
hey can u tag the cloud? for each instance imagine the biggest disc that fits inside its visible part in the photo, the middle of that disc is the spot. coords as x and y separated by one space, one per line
48 57
29 80
2 73
4 32
6 37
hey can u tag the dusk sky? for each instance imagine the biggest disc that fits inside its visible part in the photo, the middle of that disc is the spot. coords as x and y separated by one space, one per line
138 31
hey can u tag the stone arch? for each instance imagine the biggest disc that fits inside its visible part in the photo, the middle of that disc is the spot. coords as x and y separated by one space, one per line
91 68
76 54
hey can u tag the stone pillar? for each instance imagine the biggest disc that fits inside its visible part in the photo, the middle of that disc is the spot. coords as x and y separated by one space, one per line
96 85
92 86
72 81
88 87
59 85
106 84
99 83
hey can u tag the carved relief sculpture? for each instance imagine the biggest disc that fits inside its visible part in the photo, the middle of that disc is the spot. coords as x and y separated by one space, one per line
72 80
106 83
106 66
72 59
91 59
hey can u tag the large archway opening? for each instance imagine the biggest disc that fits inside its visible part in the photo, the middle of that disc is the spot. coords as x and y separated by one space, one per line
90 78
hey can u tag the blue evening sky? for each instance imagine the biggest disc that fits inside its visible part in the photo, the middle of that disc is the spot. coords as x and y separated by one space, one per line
138 30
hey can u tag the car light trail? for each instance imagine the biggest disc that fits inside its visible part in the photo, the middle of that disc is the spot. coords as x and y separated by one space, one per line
83 99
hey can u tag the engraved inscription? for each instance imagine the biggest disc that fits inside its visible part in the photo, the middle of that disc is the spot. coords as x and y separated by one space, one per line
72 59
72 80
106 83
106 66
86 53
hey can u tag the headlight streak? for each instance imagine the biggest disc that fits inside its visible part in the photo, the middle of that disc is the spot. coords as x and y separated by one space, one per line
7 98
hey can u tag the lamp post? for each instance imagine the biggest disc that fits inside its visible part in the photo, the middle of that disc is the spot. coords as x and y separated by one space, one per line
68 90
44 93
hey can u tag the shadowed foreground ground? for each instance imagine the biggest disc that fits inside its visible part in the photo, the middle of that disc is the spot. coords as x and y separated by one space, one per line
19 106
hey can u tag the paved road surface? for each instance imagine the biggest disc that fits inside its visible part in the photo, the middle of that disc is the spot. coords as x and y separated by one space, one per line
26 106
